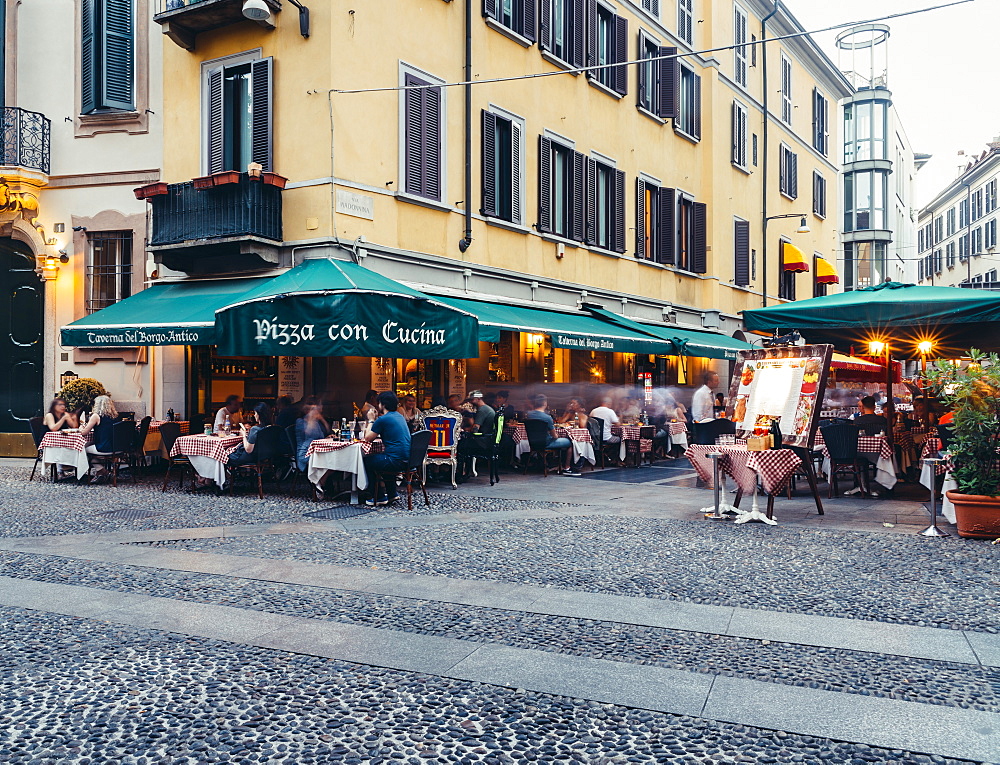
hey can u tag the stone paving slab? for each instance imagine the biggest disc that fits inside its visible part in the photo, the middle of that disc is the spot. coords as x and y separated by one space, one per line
889 723
912 726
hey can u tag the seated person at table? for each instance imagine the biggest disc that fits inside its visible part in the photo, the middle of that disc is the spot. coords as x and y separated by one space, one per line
286 412
369 409
480 439
243 454
231 408
867 420
455 402
575 415
500 403
610 417
540 404
59 417
102 418
307 429
630 410
392 429
413 416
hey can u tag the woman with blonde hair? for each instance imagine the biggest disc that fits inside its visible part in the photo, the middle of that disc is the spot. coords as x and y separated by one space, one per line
102 418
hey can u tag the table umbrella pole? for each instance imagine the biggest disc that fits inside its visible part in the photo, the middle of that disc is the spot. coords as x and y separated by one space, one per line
933 530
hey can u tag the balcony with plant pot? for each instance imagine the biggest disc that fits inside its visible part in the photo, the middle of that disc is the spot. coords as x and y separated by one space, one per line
227 222
183 20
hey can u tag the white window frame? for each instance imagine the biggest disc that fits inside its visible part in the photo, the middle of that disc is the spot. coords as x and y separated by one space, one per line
786 90
405 69
207 67
740 57
685 11
740 155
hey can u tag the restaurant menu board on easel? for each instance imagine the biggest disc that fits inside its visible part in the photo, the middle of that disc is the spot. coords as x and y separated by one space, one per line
782 384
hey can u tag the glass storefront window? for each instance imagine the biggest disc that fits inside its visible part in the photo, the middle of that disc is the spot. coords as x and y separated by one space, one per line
864 131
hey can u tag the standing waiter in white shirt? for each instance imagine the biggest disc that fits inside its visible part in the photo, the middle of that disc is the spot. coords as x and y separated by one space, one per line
703 401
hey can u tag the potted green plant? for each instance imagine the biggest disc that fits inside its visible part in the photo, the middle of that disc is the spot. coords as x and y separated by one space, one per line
973 395
79 394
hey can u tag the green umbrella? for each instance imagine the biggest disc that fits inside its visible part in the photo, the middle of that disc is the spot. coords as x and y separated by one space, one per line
901 315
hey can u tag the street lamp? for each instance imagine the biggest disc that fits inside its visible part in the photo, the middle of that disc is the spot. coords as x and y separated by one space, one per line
802 229
925 347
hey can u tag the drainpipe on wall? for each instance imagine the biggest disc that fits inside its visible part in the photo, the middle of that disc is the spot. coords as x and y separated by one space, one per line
763 228
465 242
3 53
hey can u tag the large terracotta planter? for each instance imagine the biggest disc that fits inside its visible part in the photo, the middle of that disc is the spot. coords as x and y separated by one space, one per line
976 515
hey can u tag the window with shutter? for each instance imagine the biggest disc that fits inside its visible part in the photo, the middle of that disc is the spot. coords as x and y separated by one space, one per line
819 195
562 186
741 252
490 163
740 45
577 195
562 29
239 116
618 211
699 238
786 279
819 289
216 139
821 129
685 20
786 90
647 220
667 250
739 151
604 225
788 173
516 15
652 7
261 78
107 56
544 185
667 83
422 118
620 73
688 116
648 75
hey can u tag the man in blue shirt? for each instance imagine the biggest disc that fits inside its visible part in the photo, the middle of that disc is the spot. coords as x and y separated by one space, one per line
553 440
391 427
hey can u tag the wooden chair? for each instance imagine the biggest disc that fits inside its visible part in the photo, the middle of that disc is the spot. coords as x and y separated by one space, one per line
170 432
538 437
266 447
443 424
38 431
842 446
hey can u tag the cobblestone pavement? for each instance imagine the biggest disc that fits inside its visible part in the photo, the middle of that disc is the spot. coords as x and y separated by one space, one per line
83 690
113 694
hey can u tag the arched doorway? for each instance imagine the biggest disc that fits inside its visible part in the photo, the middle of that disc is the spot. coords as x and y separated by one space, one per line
22 302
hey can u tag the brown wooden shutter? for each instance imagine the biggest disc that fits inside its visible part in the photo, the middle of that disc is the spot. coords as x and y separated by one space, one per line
590 210
667 83
640 218
577 197
741 252
528 18
621 54
261 77
489 208
666 242
544 184
619 210
699 238
216 130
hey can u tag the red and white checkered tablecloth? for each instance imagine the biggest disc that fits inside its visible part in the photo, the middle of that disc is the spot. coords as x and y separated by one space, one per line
676 428
773 466
154 426
922 431
630 435
866 445
325 445
57 439
519 433
216 447
931 445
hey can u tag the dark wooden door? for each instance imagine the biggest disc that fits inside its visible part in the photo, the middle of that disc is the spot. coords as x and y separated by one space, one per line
22 295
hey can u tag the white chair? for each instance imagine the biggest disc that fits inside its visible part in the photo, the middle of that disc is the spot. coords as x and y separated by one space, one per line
443 423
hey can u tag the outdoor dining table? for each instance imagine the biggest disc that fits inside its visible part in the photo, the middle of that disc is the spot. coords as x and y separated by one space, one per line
678 433
631 441
154 442
580 440
772 467
327 455
874 448
62 448
208 454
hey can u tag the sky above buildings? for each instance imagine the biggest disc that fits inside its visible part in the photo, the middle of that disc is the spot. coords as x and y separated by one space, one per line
943 72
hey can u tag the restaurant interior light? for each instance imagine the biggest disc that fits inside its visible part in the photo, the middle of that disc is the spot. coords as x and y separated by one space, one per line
803 226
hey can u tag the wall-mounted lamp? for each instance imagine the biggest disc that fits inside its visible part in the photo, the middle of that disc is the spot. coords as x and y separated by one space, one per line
876 348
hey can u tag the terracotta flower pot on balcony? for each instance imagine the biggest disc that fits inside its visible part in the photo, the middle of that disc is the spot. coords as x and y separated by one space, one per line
273 179
226 177
150 190
204 182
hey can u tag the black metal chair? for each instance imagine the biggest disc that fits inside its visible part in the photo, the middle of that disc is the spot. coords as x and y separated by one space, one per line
266 447
595 426
538 437
137 458
197 424
419 443
706 432
169 433
38 431
122 443
646 433
842 446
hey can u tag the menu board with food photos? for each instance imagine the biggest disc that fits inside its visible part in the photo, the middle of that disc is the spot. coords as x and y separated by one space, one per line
783 384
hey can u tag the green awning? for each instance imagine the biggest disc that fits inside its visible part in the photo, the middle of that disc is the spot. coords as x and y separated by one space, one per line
578 331
171 313
955 319
326 307
686 342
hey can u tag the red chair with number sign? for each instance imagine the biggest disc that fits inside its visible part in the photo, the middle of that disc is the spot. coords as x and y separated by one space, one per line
443 423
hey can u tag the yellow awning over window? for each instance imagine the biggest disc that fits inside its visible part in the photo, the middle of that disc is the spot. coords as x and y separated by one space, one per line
825 272
792 258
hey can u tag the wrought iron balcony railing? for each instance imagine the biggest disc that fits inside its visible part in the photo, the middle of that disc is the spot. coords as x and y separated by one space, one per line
250 208
26 138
